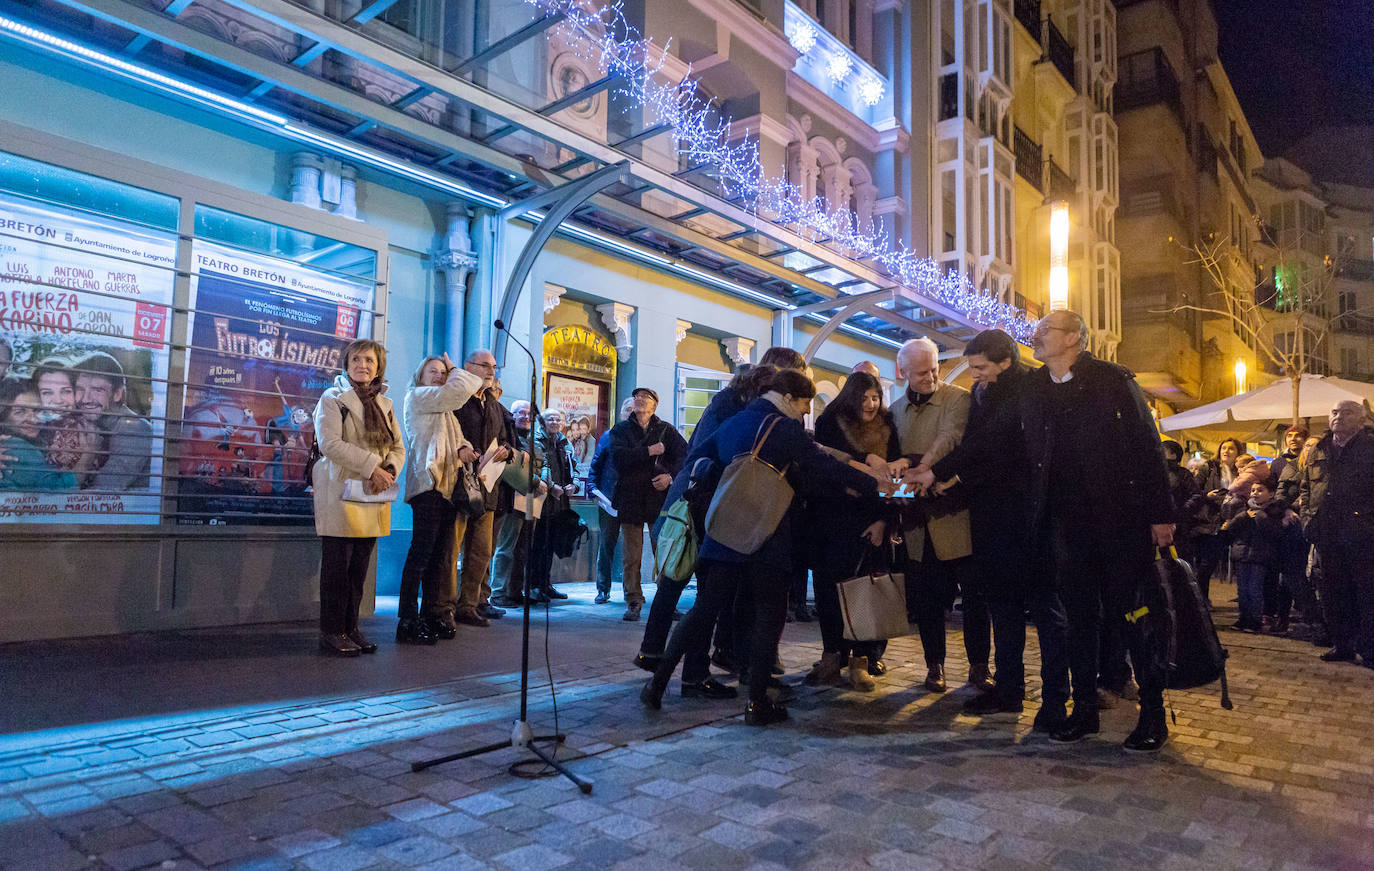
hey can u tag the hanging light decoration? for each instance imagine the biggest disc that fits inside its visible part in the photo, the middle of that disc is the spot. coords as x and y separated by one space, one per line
802 37
871 91
604 37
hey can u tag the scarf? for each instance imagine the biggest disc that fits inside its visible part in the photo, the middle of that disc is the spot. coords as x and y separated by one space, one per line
781 403
867 438
376 429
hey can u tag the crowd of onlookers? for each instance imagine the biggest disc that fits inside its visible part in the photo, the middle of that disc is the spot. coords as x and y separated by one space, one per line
1012 498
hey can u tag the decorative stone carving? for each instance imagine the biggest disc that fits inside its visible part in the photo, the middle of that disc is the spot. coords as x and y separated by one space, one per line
456 260
682 328
616 316
306 169
553 294
739 349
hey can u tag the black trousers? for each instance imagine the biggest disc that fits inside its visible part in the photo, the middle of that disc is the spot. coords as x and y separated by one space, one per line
430 556
540 571
343 571
717 582
1211 553
696 658
828 614
1347 593
931 586
1098 573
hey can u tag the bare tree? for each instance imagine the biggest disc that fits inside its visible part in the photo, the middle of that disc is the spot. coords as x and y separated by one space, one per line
1301 287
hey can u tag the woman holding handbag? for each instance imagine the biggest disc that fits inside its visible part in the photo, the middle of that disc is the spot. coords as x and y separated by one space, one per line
858 426
361 452
767 438
439 457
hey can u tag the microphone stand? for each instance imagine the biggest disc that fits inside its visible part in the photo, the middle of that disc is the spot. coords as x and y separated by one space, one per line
521 733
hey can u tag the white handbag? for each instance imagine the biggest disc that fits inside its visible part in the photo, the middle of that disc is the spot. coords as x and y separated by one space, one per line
873 606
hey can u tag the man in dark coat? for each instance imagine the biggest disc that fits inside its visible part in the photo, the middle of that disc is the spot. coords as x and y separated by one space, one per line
645 454
1337 499
991 465
1095 519
483 421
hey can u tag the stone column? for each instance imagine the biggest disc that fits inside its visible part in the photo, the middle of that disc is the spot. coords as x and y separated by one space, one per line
306 170
456 260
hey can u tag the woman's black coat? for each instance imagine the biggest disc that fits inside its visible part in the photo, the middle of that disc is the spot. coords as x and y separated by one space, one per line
835 522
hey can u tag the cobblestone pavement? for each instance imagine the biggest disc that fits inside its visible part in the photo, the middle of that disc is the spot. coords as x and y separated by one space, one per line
891 779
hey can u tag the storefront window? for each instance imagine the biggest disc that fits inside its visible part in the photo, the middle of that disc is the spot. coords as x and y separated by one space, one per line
695 389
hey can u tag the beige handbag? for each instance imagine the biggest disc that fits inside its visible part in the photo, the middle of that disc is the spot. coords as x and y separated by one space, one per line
873 606
750 500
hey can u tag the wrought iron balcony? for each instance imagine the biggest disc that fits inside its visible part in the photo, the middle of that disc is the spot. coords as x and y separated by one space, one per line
1029 161
1062 185
1060 52
1146 79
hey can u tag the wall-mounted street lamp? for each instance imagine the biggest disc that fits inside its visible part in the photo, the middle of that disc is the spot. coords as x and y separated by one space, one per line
1059 255
1240 376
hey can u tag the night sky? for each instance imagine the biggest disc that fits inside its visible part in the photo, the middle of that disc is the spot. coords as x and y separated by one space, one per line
1299 64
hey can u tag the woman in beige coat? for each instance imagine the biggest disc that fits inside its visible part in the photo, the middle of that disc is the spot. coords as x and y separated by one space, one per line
360 441
437 450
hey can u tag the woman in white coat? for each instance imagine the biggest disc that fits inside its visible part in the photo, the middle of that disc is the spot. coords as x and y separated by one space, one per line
437 450
359 441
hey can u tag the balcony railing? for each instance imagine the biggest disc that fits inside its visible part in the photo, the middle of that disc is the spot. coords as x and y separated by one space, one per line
949 96
1362 325
1146 79
1060 51
1062 185
1206 153
1028 13
1029 162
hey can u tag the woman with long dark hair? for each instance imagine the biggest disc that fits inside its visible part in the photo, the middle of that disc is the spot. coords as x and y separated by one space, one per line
361 452
764 575
857 424
1214 478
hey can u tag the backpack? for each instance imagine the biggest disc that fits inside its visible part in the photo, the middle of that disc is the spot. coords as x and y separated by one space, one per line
676 557
1178 628
315 455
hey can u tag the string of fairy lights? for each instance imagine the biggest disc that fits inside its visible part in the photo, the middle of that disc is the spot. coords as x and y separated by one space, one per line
601 35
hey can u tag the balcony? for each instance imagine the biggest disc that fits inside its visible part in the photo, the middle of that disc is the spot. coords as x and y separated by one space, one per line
1146 79
1361 325
1059 51
1206 153
1029 160
1062 185
1028 13
1355 270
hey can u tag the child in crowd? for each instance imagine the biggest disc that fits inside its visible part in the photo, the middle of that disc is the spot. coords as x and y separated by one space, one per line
1261 535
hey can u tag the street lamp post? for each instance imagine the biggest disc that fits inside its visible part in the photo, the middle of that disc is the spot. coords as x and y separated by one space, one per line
1059 255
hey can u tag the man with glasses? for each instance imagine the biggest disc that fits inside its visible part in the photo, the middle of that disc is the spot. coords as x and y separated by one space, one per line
483 421
1095 519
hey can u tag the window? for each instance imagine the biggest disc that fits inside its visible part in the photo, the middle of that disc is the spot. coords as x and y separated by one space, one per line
696 386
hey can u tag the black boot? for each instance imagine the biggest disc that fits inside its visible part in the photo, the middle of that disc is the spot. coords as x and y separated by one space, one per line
1081 724
1150 733
763 713
652 694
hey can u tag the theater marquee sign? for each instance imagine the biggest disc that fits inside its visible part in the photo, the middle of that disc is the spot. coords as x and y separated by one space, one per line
579 351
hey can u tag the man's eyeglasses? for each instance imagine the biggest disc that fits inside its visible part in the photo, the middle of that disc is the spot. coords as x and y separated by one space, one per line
488 366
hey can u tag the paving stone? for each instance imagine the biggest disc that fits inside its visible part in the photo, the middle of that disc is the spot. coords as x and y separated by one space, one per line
532 857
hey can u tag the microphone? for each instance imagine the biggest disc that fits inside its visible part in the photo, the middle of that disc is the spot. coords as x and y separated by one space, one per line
501 325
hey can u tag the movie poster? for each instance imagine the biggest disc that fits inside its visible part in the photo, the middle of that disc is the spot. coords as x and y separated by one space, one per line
582 403
84 321
267 339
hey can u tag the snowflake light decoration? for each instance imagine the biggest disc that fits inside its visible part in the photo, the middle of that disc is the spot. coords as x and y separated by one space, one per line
870 91
803 37
604 36
837 66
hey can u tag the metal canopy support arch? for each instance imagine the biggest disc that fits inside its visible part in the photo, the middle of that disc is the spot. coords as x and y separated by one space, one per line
560 202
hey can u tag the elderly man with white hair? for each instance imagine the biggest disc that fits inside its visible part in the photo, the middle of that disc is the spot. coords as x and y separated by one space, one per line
930 417
1336 495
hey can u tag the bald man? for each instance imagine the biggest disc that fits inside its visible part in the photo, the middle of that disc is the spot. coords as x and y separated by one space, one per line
1337 499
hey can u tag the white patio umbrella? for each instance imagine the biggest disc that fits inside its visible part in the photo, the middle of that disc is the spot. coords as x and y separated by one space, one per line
1259 411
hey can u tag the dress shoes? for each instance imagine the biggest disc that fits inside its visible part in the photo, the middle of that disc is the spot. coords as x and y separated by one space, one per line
360 639
991 703
980 677
551 593
504 601
601 598
1080 725
413 630
490 611
935 679
1335 654
338 645
442 627
647 661
709 689
763 713
631 613
877 668
539 597
1050 718
471 618
724 661
1150 733
651 696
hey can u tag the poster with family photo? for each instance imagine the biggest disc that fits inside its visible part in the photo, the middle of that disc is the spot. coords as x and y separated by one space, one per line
84 319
